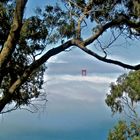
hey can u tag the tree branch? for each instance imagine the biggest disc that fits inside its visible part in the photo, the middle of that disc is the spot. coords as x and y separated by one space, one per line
30 69
14 34
121 20
104 59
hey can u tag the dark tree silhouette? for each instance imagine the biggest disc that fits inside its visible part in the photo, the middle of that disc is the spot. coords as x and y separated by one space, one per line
23 40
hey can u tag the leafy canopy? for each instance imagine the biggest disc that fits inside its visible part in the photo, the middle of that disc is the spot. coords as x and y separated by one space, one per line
125 131
126 90
65 23
124 97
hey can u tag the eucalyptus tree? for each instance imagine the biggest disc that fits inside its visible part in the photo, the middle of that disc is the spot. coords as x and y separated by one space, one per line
25 42
124 97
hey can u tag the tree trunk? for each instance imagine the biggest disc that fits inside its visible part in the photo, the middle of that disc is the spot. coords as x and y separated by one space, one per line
9 45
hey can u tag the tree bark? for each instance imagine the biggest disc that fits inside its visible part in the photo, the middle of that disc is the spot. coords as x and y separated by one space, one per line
14 34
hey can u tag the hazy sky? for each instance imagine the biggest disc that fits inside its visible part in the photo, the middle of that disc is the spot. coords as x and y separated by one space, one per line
75 109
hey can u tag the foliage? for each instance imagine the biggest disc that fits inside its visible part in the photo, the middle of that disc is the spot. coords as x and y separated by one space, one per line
6 12
41 29
29 48
124 97
125 131
125 91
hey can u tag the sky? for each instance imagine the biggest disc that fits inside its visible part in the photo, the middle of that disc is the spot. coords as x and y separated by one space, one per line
76 109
